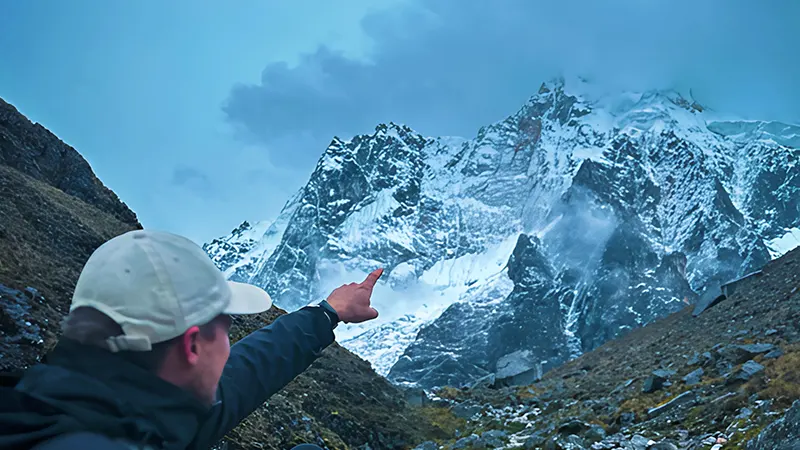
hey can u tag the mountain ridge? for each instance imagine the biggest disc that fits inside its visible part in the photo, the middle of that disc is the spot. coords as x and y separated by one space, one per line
639 178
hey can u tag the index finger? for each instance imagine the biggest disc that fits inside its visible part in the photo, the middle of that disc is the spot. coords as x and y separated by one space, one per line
372 278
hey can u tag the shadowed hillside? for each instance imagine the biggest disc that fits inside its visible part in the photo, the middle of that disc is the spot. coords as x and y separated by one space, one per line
54 212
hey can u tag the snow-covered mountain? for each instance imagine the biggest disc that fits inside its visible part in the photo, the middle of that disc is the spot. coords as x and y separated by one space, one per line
554 230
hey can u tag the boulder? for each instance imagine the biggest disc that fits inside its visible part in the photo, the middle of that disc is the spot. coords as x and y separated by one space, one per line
783 434
694 377
467 442
534 441
595 433
466 410
663 446
573 427
640 442
518 368
737 354
745 373
777 353
657 380
685 398
494 438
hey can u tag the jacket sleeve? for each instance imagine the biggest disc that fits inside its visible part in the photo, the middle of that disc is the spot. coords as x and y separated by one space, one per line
263 363
71 441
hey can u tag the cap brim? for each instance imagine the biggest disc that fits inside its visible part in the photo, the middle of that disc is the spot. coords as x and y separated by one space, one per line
247 299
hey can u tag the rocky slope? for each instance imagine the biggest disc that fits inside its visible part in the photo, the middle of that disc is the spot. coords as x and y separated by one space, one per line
54 212
722 379
570 223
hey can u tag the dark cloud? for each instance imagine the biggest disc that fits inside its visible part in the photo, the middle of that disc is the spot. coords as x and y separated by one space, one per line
450 66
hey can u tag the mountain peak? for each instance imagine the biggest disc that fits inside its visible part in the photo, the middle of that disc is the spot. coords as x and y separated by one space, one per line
613 185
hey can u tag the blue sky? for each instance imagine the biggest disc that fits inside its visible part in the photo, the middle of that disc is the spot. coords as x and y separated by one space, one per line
201 114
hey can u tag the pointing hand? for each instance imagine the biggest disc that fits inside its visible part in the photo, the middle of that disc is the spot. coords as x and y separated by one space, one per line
352 301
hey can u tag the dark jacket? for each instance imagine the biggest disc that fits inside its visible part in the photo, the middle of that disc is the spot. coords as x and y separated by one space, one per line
85 397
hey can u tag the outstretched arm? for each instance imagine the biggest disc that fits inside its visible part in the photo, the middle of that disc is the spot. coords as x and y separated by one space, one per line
265 361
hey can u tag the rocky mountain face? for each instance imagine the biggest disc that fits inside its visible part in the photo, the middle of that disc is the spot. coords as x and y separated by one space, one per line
565 225
54 213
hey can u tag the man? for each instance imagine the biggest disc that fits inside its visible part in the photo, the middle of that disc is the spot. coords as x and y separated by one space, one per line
144 360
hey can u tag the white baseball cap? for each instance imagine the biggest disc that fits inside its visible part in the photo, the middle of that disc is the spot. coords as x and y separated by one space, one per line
157 285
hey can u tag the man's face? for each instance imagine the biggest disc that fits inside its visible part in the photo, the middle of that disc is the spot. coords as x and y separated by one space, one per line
213 347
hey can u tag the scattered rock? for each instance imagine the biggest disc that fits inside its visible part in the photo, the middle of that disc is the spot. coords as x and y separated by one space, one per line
626 419
595 433
770 332
640 442
783 434
663 446
467 410
571 442
519 368
416 397
429 445
694 377
777 353
686 397
657 380
533 441
573 427
737 354
467 442
494 438
745 373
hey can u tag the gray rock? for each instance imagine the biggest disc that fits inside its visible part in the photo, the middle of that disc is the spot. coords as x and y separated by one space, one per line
533 441
694 377
595 433
783 434
777 353
494 438
747 371
657 380
416 397
757 348
693 360
466 410
685 398
663 446
573 427
664 373
518 368
745 413
571 442
737 354
574 442
639 442
626 419
468 441
429 445
770 332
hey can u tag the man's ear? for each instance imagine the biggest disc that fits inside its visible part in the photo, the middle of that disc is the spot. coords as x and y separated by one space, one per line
189 345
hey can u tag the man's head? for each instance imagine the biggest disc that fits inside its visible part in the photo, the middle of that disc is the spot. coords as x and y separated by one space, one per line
158 300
